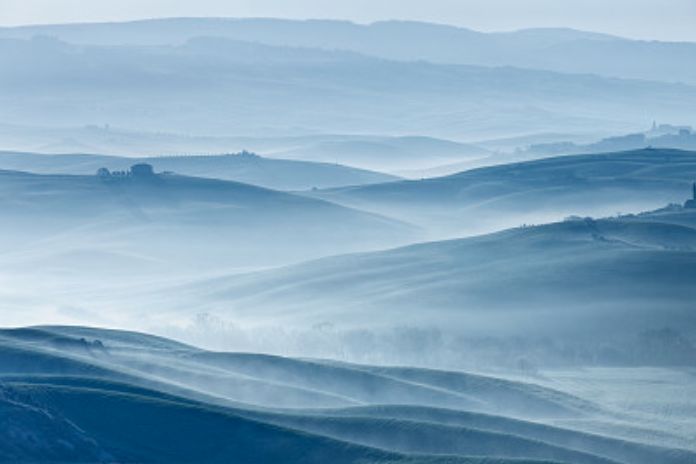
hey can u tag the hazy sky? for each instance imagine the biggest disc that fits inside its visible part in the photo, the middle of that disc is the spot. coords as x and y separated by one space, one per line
651 19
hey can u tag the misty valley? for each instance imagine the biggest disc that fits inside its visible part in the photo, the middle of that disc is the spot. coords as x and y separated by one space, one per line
283 241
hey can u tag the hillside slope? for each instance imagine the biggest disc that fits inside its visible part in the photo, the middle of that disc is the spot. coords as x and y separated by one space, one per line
367 152
74 394
170 221
595 283
243 167
509 195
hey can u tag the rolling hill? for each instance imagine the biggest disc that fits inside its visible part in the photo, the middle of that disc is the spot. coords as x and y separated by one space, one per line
371 152
532 192
594 289
75 394
169 222
307 304
386 153
243 167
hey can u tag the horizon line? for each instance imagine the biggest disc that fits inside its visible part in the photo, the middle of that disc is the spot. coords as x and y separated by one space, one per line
343 20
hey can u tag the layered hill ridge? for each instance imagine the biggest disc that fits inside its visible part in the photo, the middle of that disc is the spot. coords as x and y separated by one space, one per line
155 217
253 89
581 280
299 301
549 189
242 167
563 50
365 152
103 395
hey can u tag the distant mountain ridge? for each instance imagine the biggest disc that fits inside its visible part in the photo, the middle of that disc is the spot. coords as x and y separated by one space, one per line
220 87
563 50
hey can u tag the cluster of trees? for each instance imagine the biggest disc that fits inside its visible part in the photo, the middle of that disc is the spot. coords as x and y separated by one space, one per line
433 347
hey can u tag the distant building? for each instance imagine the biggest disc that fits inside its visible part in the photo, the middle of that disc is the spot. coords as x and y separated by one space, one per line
659 130
691 204
142 170
248 155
